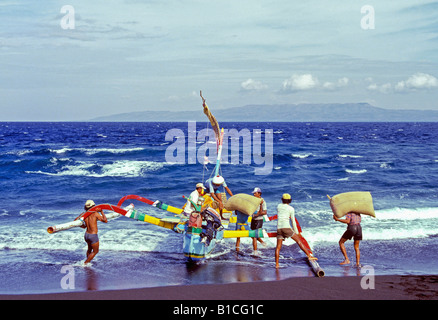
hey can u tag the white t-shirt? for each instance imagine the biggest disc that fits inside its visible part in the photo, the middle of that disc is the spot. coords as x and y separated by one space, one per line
264 207
194 196
284 213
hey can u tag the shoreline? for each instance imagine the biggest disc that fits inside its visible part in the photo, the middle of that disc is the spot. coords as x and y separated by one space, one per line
386 287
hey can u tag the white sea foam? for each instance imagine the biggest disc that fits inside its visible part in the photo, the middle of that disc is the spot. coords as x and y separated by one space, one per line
121 168
92 151
407 214
349 156
385 166
87 151
19 152
126 168
301 155
355 171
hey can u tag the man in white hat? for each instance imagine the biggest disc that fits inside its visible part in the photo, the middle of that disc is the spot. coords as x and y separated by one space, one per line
257 217
91 237
213 185
286 214
196 197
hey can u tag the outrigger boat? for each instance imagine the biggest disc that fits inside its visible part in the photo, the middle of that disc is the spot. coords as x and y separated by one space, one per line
194 248
199 241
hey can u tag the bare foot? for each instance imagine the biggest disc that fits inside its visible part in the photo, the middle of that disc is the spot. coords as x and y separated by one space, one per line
345 262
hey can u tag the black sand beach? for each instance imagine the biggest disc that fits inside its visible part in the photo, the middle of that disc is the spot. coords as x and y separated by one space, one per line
395 287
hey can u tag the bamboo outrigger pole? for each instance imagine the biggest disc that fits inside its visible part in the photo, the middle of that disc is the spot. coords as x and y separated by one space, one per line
316 268
77 223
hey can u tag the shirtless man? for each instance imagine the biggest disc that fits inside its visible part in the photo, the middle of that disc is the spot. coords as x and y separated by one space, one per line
91 237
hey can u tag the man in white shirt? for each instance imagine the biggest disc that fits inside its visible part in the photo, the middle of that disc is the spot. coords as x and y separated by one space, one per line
257 217
195 197
286 212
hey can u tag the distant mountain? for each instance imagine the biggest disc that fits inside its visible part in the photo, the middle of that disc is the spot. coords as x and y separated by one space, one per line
336 112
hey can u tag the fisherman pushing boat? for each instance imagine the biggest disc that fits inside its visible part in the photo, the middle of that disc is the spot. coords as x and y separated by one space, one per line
286 213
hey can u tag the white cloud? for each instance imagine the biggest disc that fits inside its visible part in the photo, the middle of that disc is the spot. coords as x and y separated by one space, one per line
384 88
253 85
307 81
417 81
300 82
342 82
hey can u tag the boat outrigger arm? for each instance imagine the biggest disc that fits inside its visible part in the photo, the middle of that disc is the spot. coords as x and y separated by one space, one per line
174 224
129 212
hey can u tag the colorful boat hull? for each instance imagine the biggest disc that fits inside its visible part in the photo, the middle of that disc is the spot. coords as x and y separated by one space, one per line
195 250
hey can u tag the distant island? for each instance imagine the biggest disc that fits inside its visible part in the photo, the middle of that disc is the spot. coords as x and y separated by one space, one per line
335 112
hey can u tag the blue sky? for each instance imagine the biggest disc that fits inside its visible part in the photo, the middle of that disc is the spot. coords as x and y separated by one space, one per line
134 55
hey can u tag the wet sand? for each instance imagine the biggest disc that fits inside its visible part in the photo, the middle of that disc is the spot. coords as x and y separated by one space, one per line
386 287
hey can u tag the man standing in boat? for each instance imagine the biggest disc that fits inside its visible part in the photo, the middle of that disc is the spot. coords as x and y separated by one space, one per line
195 218
213 185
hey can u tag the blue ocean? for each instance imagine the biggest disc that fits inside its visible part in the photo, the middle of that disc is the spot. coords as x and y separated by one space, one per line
49 170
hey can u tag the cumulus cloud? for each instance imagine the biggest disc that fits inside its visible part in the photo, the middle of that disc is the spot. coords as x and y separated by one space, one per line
342 82
253 85
302 82
384 88
416 82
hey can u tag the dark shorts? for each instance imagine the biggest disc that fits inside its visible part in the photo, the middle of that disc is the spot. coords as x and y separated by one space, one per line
284 233
353 231
256 224
91 239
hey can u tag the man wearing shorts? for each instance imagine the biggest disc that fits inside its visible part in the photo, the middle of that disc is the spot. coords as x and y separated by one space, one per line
91 237
286 213
257 218
354 230
241 224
